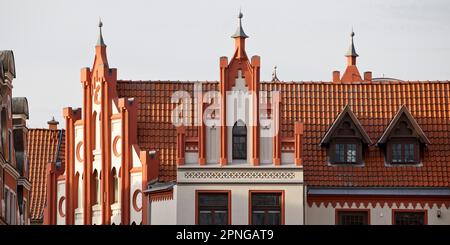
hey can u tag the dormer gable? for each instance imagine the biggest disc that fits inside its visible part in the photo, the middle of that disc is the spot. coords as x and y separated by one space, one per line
346 139
403 125
403 140
346 125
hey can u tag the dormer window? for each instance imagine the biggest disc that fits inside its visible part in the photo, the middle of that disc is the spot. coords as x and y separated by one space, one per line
345 152
345 140
404 152
403 139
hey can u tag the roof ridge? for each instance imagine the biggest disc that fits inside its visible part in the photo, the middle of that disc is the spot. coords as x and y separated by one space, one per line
292 81
47 129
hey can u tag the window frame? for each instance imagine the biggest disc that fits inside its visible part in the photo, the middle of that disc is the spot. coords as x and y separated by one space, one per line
7 204
403 142
233 143
96 200
346 141
115 186
197 207
397 211
282 204
351 210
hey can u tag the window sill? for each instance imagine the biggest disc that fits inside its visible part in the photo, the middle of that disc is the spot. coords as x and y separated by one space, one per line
403 164
354 164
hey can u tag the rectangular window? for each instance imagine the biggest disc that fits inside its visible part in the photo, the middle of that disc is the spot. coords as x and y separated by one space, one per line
266 208
396 152
13 209
409 152
25 212
409 218
7 205
212 208
345 153
403 153
352 217
351 153
340 152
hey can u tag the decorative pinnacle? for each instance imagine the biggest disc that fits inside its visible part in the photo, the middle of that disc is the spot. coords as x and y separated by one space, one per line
351 52
240 32
53 121
100 41
274 75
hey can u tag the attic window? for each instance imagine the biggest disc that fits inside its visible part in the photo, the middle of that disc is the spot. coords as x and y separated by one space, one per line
345 139
346 151
403 139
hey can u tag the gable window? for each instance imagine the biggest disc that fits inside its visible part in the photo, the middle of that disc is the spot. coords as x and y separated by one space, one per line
345 153
403 140
345 217
213 208
239 141
266 208
403 153
409 217
346 139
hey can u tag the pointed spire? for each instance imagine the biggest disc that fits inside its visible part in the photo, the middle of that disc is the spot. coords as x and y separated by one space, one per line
53 124
351 50
100 41
239 31
274 75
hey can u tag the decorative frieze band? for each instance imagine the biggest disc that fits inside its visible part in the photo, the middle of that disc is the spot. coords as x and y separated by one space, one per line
239 175
220 175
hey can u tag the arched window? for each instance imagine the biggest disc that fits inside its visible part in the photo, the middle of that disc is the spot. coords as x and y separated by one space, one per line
115 186
80 191
96 188
239 141
94 130
77 189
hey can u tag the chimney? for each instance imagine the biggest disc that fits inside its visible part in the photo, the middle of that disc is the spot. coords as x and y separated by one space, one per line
367 76
336 76
53 124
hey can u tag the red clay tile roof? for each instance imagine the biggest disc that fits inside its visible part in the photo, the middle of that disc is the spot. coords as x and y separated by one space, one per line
42 146
317 104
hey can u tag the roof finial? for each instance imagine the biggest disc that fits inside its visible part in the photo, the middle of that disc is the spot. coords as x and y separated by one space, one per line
240 32
100 41
274 75
351 52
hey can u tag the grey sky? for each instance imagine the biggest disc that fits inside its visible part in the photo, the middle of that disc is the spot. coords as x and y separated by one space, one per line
183 40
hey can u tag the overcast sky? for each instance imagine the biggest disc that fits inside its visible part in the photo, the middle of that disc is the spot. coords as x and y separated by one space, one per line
183 40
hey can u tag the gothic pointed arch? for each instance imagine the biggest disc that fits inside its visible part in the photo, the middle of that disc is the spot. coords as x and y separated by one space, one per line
239 141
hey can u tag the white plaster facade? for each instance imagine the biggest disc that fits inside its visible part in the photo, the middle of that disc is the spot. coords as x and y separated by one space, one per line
238 181
380 214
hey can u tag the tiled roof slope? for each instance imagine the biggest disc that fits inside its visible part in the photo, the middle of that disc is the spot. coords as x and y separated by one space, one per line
317 104
42 146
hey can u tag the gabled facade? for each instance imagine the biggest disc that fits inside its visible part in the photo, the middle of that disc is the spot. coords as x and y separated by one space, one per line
14 171
45 155
238 169
353 150
104 172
